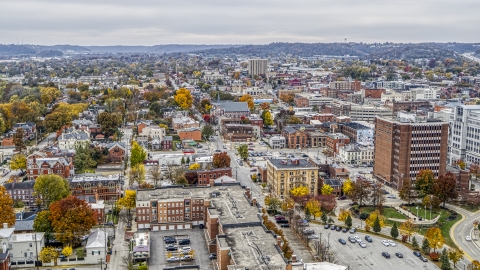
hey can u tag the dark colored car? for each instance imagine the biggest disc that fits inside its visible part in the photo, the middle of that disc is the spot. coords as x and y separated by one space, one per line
342 198
277 217
339 228
343 242
333 227
345 230
212 256
285 225
368 238
399 255
170 240
171 248
386 255
417 254
280 221
326 226
184 242
423 259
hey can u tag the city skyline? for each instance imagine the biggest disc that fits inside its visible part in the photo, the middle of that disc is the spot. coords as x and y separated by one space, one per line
216 22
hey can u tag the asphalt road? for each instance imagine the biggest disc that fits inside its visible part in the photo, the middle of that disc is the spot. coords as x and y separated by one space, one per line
465 228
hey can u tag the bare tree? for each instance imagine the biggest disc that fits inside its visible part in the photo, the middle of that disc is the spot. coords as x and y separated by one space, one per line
377 194
156 174
127 263
361 191
324 252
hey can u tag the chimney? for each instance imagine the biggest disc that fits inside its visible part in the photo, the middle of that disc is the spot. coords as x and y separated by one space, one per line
254 201
294 258
249 195
279 241
5 225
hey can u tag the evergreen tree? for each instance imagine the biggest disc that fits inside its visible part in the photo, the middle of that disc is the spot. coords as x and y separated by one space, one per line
415 243
307 213
376 226
445 261
348 221
330 220
183 160
394 231
188 160
425 246
324 218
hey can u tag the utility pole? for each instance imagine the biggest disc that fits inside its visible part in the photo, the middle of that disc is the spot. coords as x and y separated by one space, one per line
36 250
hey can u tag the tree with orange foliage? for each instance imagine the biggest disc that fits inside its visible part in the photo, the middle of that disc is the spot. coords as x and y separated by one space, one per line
287 98
249 99
7 215
221 160
71 219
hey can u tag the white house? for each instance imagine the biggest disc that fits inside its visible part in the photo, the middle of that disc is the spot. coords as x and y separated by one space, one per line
23 247
96 247
153 132
356 154
276 142
67 140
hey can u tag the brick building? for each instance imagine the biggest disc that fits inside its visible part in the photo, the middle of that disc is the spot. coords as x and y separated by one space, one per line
356 132
190 134
398 106
335 140
301 101
39 163
22 191
294 138
96 187
408 144
116 152
206 177
284 175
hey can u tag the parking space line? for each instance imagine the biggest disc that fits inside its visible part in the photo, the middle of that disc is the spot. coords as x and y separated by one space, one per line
371 260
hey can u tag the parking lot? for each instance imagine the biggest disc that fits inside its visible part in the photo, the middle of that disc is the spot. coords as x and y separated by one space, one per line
358 258
158 259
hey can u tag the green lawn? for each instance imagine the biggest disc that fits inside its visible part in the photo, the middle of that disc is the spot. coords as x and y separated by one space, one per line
387 212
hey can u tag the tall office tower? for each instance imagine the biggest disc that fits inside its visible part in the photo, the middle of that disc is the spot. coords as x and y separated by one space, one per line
257 67
464 137
407 144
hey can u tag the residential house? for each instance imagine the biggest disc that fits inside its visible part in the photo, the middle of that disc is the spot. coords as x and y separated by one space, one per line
24 222
23 247
167 143
98 209
336 184
207 177
96 247
22 191
71 136
29 129
4 260
116 152
335 140
190 133
153 132
39 164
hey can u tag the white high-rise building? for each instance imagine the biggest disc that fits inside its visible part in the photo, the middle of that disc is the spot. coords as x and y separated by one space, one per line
464 134
257 67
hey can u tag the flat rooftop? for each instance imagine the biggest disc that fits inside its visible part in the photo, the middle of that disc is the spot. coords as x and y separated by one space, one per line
252 248
180 192
232 208
287 163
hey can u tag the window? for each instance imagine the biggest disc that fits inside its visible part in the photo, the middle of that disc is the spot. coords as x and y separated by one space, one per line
30 244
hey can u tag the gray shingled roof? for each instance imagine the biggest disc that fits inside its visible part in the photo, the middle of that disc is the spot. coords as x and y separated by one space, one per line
234 106
24 225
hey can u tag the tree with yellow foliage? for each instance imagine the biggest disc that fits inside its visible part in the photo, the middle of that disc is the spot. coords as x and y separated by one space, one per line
48 254
299 191
194 166
163 126
435 238
347 186
249 99
313 207
67 251
327 189
408 228
127 201
455 255
373 216
49 94
342 216
287 204
184 99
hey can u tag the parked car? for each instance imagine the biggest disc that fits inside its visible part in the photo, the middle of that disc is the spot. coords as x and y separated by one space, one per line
326 226
392 243
183 249
169 240
417 254
343 242
385 243
285 225
339 228
313 236
353 230
345 230
173 259
423 259
280 221
186 258
386 255
468 238
391 196
357 238
184 242
351 239
212 256
368 238
399 255
308 231
171 248
362 244
333 227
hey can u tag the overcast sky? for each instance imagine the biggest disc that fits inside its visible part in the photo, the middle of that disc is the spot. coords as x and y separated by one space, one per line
150 22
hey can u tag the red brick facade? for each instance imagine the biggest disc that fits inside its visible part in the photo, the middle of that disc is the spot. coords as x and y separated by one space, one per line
195 134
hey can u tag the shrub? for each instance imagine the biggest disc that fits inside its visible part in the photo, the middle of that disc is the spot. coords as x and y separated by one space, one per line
367 228
364 216
404 238
434 256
